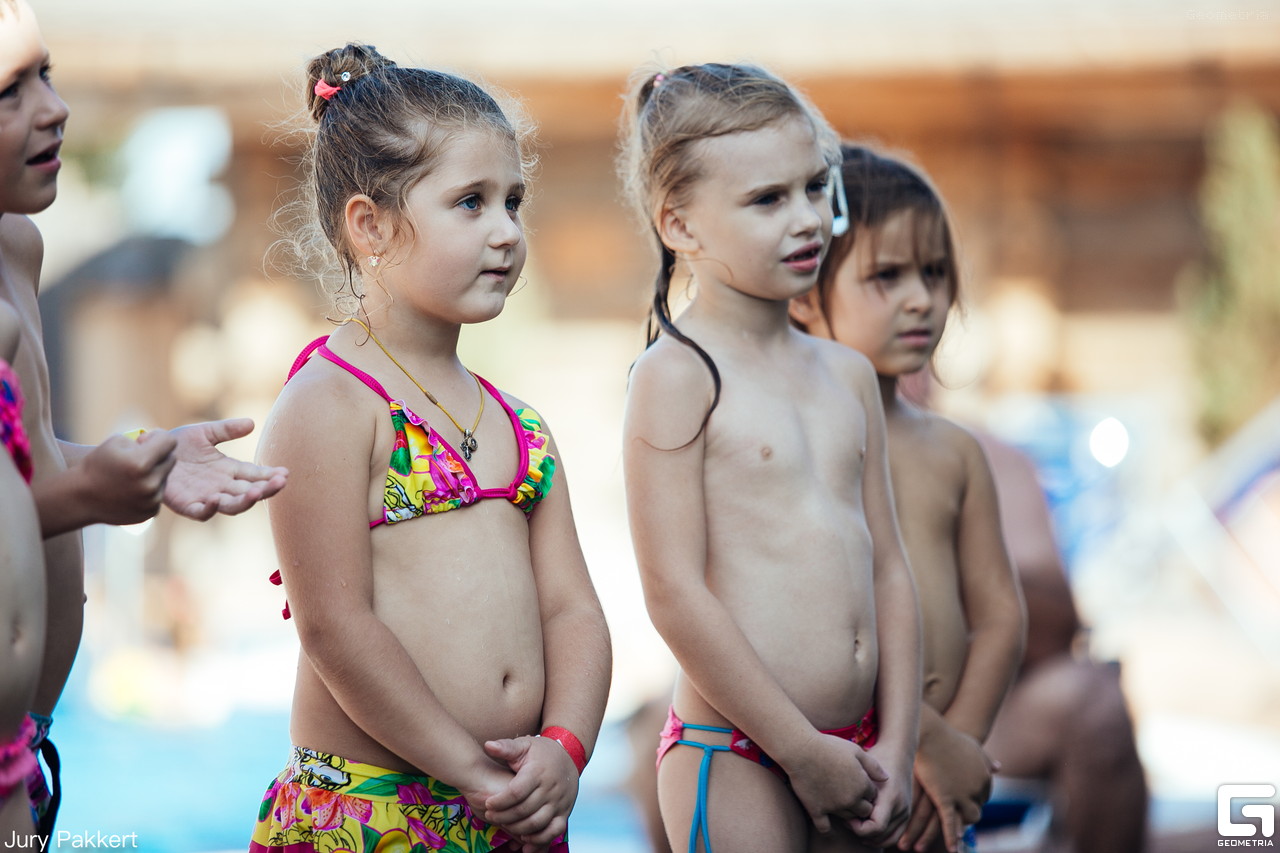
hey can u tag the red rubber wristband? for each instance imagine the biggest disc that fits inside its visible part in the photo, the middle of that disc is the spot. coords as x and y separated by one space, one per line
571 745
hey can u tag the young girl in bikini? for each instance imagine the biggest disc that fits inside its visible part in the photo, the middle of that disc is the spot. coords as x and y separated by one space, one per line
778 580
426 543
21 594
124 479
885 290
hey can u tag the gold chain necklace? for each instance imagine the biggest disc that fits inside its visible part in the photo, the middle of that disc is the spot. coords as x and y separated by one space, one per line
468 444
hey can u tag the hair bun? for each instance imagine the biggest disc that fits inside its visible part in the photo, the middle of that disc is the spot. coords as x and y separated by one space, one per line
339 68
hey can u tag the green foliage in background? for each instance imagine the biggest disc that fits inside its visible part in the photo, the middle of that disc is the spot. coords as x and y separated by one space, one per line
1232 300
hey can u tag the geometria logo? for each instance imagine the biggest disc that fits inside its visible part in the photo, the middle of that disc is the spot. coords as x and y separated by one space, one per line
1243 833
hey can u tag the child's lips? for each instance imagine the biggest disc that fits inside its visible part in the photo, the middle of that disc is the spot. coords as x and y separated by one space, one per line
805 260
47 160
921 336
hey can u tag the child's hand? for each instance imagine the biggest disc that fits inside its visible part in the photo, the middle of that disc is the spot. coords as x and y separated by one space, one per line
954 773
481 784
535 806
205 481
892 805
123 479
835 778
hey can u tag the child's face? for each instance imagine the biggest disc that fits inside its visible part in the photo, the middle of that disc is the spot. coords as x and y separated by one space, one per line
890 297
466 247
31 116
758 218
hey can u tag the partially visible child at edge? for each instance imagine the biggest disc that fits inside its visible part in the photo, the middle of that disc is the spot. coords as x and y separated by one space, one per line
427 543
21 594
885 289
777 579
121 481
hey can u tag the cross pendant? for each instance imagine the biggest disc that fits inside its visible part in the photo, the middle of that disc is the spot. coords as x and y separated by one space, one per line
468 444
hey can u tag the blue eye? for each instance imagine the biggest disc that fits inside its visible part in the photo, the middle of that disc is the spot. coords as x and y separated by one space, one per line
46 73
471 202
818 187
766 199
514 203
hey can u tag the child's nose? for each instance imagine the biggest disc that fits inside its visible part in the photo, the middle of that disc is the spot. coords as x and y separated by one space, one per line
53 110
808 217
506 232
917 298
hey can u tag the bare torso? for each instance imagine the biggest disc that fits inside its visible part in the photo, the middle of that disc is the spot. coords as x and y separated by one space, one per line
928 473
22 602
455 588
788 552
20 256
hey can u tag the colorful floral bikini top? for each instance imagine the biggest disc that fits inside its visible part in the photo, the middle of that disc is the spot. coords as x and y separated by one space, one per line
426 475
12 434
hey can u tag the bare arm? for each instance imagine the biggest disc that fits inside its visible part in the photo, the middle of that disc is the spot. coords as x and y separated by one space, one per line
578 663
200 480
576 646
951 767
324 436
898 694
121 481
669 393
668 527
993 604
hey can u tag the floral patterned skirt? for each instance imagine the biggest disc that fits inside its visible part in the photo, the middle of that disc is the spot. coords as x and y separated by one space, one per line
323 803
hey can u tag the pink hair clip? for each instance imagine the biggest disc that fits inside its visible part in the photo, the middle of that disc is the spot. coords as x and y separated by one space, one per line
326 91
658 80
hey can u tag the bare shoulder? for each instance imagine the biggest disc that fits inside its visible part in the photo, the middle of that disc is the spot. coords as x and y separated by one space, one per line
516 403
321 407
22 248
672 366
669 393
960 442
851 367
524 408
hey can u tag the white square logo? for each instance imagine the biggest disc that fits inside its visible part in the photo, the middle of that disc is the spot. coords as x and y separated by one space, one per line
1264 812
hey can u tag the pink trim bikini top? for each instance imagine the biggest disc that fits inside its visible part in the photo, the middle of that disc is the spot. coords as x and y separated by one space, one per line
12 434
426 475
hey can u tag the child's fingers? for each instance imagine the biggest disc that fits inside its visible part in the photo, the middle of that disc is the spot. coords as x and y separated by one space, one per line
952 829
252 473
158 443
872 768
228 429
930 834
506 750
161 465
920 817
512 802
528 828
557 827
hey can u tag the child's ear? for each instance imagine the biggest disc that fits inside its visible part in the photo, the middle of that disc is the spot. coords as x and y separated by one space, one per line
674 232
806 309
367 226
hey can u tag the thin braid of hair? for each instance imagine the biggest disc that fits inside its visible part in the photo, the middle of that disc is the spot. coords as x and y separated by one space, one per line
661 322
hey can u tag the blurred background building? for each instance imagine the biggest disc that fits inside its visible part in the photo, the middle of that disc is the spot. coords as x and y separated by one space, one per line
1113 172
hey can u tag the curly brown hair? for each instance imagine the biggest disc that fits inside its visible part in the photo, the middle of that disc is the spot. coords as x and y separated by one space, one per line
381 130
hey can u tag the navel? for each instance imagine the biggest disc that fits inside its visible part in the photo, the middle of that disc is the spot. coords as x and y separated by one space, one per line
766 452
